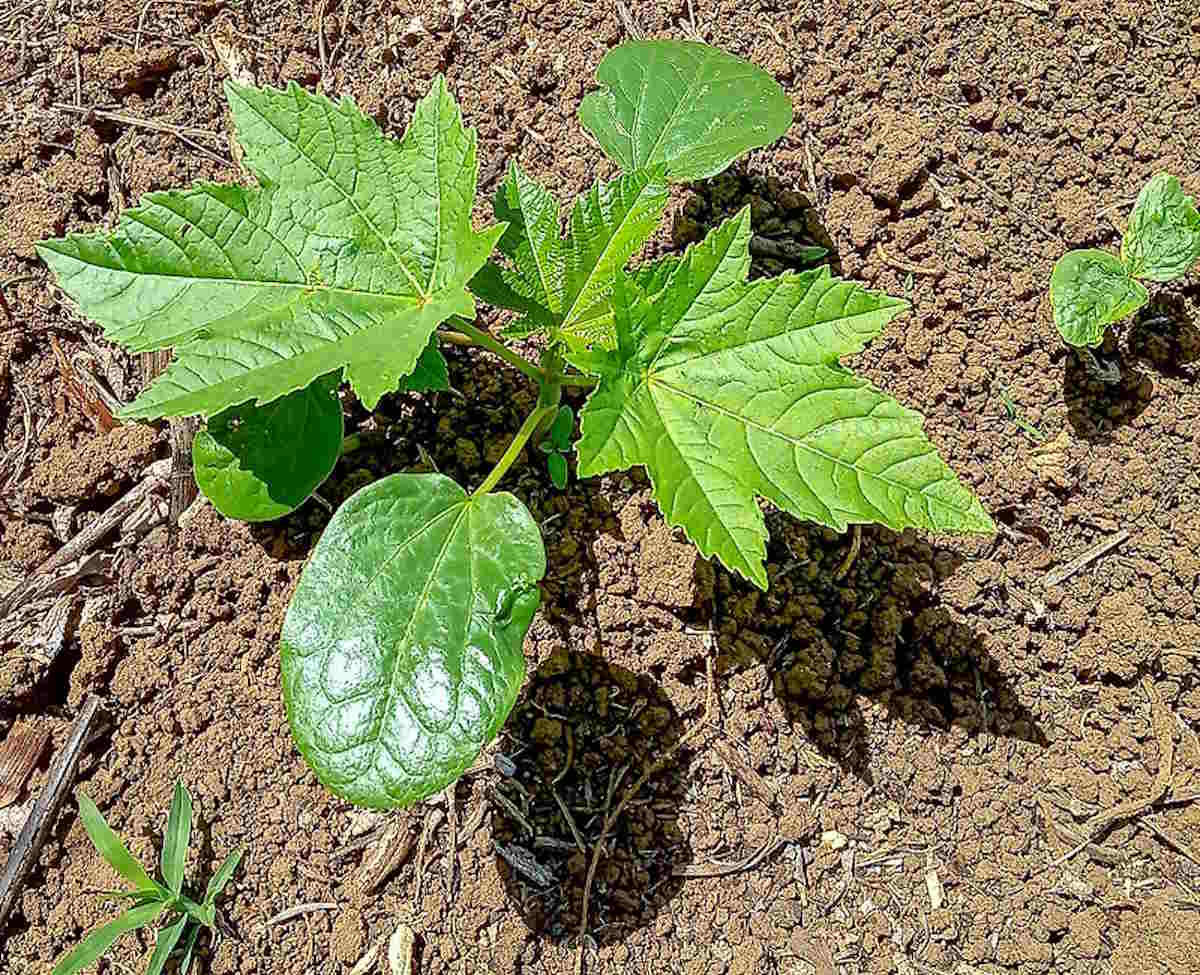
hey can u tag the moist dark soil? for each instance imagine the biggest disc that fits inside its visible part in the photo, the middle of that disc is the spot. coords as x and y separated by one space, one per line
905 745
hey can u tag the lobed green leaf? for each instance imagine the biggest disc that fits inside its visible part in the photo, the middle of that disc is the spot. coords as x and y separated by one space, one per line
563 284
727 390
352 249
684 105
1163 239
402 646
1090 290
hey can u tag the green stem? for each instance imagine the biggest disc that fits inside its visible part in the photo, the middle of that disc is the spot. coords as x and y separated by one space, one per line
357 441
514 449
468 334
578 380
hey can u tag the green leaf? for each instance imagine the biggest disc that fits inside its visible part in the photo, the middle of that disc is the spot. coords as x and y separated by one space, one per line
402 646
189 948
685 104
564 283
109 846
431 375
347 255
533 244
727 390
222 877
557 466
562 428
609 224
598 333
1163 239
175 841
168 938
1090 290
90 950
257 463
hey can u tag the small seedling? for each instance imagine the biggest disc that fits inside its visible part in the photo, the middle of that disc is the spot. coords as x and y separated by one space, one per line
557 445
150 899
354 258
1093 289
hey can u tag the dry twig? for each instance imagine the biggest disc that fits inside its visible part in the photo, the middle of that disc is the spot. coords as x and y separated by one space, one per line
58 783
1057 577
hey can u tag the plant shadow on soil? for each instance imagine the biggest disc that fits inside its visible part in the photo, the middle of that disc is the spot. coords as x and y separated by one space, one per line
583 730
1161 336
878 631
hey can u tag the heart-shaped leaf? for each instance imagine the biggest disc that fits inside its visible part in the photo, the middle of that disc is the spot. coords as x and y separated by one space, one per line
683 104
256 463
1090 290
402 646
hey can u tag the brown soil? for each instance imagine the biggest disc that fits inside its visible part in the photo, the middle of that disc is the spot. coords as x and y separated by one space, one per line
894 737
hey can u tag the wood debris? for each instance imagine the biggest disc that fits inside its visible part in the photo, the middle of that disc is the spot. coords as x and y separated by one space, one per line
400 950
37 827
19 754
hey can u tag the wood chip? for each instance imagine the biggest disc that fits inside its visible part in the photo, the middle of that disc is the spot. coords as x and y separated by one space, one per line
718 868
526 864
1057 577
400 950
367 961
937 894
739 767
58 783
300 910
833 839
393 850
1163 722
20 752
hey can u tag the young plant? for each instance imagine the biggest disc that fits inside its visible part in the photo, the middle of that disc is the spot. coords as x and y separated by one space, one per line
354 258
1091 289
151 900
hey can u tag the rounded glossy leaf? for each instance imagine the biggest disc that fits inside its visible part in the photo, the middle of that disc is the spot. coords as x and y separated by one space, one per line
402 646
1163 239
685 104
1090 289
256 463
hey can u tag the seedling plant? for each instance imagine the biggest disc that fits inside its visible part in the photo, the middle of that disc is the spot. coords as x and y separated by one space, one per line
150 900
354 259
1093 289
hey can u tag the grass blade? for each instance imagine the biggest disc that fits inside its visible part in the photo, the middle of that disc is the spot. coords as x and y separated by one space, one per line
110 846
189 948
175 843
222 877
99 941
168 938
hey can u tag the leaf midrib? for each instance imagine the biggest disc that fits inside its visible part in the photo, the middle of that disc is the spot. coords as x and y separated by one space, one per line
261 282
593 275
418 609
653 380
708 58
